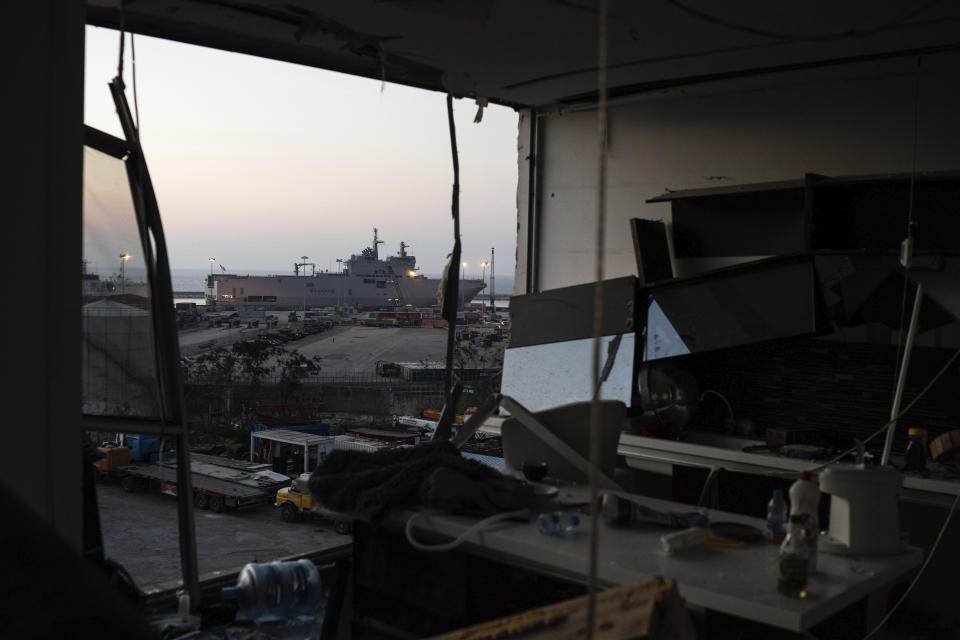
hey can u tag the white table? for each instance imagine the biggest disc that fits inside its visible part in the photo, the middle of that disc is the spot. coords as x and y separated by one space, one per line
659 456
740 582
708 451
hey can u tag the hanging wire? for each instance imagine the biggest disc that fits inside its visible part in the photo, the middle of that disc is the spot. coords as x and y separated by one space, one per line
903 412
122 35
450 287
133 66
595 409
953 506
916 126
895 23
910 223
923 567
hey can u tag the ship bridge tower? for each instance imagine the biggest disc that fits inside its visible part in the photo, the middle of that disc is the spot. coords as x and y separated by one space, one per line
376 252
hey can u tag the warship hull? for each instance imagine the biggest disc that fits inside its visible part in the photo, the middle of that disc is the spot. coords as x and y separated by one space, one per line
330 289
365 280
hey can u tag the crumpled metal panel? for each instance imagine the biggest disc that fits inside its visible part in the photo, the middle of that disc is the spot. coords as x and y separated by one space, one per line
549 375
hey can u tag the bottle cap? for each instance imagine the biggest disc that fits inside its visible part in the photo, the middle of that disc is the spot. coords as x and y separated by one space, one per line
917 431
806 475
778 493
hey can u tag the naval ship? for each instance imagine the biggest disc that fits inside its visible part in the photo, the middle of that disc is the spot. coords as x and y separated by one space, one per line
365 280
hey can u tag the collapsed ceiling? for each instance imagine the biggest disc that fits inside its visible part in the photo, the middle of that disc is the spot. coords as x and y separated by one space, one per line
544 52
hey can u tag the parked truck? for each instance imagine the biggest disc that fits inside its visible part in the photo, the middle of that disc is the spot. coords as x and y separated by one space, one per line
296 503
218 483
387 369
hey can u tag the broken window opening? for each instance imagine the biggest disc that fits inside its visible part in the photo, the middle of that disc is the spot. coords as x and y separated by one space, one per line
131 369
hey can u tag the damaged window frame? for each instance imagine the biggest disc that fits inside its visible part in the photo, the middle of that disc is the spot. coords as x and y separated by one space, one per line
171 422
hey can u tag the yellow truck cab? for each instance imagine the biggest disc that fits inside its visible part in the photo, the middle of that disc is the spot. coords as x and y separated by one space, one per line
295 501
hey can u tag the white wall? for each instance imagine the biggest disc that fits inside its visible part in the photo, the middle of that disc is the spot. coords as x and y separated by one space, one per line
854 120
524 151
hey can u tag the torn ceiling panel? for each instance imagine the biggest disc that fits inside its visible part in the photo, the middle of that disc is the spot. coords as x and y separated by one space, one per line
543 52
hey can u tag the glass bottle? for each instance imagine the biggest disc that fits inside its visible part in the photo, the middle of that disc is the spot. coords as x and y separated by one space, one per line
916 454
792 562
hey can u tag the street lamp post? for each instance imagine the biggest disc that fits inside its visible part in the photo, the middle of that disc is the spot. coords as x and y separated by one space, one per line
493 304
340 273
304 258
123 263
483 279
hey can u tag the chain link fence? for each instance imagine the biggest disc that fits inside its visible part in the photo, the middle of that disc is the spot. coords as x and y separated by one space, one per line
362 379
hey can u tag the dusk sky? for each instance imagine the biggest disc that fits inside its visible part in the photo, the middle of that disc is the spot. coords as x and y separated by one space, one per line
257 162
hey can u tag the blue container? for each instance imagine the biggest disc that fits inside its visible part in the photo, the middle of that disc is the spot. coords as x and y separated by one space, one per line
142 447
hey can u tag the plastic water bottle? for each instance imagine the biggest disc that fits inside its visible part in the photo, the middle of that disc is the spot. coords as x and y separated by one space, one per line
805 503
558 522
277 591
792 562
777 514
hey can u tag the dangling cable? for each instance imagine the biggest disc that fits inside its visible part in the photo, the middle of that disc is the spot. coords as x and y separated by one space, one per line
133 66
916 578
450 290
122 36
480 526
916 125
820 467
906 250
595 409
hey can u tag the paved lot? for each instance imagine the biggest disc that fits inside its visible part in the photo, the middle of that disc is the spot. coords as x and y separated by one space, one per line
140 532
351 348
197 340
357 348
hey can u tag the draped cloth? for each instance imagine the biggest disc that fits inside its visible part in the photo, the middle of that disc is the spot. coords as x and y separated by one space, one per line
432 475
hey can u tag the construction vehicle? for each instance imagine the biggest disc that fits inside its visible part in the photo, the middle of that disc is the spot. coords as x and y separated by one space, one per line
387 369
113 458
135 448
187 313
296 503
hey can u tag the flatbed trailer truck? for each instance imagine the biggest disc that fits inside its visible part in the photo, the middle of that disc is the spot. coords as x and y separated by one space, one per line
218 484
